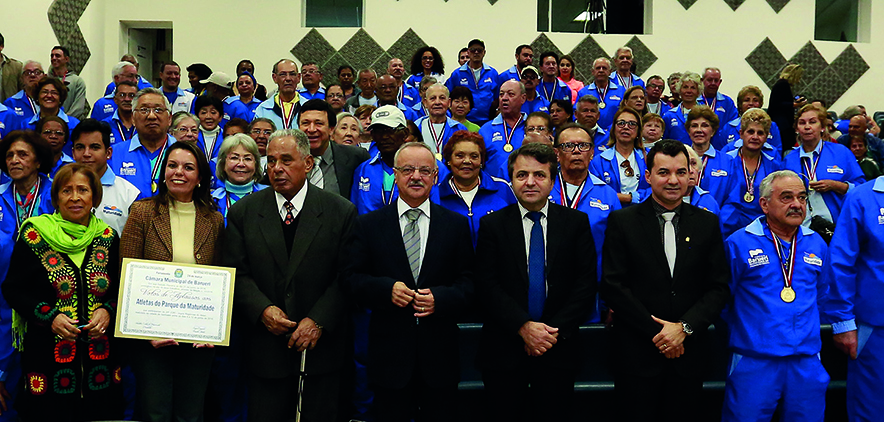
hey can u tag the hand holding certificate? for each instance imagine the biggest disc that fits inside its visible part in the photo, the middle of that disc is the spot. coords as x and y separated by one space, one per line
168 300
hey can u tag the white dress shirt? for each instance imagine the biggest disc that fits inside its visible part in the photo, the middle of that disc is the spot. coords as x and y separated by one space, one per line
527 225
423 222
297 201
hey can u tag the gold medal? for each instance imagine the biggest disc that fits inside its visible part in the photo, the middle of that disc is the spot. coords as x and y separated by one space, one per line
748 197
787 294
153 187
439 156
508 147
602 105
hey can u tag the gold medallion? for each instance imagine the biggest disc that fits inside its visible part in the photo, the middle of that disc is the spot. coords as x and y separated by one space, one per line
439 156
787 294
602 105
748 197
153 187
508 147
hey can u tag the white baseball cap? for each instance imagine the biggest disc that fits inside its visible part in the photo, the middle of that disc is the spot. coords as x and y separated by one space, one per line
218 78
389 116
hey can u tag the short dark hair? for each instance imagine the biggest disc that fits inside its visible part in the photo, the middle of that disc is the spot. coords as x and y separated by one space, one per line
242 62
520 48
569 126
462 92
38 127
2 41
346 66
202 192
319 105
128 83
565 105
201 70
169 63
542 115
237 122
64 50
549 54
208 100
55 82
40 146
544 154
64 175
91 125
463 136
668 147
476 41
462 50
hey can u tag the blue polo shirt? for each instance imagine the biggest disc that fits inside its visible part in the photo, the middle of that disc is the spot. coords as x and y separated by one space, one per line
731 135
307 96
484 91
495 135
22 107
374 186
607 169
556 90
674 125
7 120
103 108
119 132
136 164
836 162
714 177
736 213
723 106
493 194
761 324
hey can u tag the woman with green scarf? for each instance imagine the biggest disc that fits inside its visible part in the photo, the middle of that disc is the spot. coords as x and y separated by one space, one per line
237 170
62 285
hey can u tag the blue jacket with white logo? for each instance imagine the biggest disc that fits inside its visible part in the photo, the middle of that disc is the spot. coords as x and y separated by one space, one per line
611 102
762 324
494 193
736 213
135 163
494 133
484 92
605 167
836 162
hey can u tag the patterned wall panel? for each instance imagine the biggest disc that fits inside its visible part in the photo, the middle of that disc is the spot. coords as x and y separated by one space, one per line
405 47
63 18
821 80
643 56
540 45
777 5
687 3
584 54
734 4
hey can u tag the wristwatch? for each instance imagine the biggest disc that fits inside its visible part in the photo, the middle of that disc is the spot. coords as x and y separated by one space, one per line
686 328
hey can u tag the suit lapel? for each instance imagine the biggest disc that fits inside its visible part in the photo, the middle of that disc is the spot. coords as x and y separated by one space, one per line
200 232
393 236
651 226
308 226
555 230
515 240
434 246
162 225
271 228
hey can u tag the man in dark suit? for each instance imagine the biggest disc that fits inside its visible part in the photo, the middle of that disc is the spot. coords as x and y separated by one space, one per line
412 268
536 281
287 245
333 164
665 276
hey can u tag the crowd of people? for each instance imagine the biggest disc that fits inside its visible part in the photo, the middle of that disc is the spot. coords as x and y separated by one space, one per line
368 217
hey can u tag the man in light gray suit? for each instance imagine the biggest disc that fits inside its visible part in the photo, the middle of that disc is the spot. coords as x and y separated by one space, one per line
286 244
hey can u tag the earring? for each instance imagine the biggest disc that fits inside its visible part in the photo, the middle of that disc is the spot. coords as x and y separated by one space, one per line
199 185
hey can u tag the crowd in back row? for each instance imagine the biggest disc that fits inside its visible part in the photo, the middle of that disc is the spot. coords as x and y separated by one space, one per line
187 154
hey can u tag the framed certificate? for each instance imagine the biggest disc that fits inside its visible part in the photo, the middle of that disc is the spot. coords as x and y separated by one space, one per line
186 302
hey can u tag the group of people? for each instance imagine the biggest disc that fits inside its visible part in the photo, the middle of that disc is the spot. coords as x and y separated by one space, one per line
365 219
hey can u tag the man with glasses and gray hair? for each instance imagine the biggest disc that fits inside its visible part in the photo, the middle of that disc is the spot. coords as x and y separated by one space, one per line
287 245
777 277
415 306
138 160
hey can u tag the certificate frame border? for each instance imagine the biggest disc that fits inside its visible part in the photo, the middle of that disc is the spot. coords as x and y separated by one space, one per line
125 291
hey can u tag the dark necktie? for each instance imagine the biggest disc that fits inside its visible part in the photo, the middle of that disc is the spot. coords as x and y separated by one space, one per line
289 217
536 268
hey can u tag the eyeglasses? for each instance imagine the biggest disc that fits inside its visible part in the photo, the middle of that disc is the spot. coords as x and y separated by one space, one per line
285 74
529 76
184 130
247 158
625 123
53 93
581 146
126 94
334 95
310 72
409 170
37 72
477 50
627 168
427 59
144 111
260 131
536 129
48 132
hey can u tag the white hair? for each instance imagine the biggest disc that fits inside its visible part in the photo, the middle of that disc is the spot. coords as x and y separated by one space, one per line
118 68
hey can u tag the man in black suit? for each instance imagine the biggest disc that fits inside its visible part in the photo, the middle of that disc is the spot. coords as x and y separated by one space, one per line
411 266
287 245
333 164
536 282
665 276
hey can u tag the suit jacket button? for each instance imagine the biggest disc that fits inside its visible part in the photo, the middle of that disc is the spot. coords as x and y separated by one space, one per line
673 293
198 256
289 294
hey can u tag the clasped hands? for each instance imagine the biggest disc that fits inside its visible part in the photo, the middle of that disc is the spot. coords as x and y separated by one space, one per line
538 337
421 300
670 340
66 328
304 334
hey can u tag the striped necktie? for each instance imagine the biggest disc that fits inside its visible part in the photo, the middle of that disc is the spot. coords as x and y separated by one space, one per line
412 239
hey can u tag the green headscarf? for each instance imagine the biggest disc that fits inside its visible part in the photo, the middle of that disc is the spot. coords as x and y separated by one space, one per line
65 236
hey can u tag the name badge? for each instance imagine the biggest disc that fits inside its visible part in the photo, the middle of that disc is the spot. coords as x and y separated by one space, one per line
721 109
364 184
718 173
1 213
463 81
757 258
606 177
614 97
812 259
487 80
496 137
128 169
112 210
597 203
673 122
834 169
881 219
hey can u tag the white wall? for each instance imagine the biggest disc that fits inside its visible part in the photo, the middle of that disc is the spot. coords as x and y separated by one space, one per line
709 34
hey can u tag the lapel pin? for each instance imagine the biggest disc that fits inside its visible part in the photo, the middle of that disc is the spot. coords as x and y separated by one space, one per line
687 239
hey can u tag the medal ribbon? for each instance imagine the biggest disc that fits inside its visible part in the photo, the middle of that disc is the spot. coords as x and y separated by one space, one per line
564 192
126 136
384 198
706 102
155 172
603 94
286 117
549 98
32 104
623 82
703 169
788 267
810 170
29 204
509 133
437 139
750 180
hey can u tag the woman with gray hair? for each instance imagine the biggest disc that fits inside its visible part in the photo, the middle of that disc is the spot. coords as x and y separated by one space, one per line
348 131
185 127
688 88
237 171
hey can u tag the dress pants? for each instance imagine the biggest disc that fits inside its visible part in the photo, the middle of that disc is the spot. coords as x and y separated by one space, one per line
171 381
276 399
512 393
